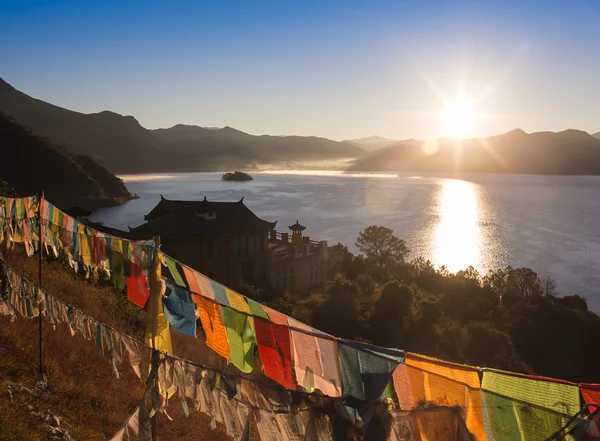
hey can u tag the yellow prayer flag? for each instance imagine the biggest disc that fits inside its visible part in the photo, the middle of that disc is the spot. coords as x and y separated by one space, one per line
158 335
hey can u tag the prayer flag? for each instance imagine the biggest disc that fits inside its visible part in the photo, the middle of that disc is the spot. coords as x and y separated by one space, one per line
275 353
158 335
212 323
241 338
179 308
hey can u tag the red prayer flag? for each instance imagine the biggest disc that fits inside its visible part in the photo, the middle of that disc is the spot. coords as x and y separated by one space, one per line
137 290
275 352
590 394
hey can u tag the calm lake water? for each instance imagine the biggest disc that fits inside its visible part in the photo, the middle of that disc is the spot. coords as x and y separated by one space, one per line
548 223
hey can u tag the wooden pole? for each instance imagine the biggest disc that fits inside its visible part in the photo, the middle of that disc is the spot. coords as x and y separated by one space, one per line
155 356
155 381
40 255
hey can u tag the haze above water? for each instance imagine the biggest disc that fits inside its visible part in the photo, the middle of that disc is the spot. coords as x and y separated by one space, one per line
547 223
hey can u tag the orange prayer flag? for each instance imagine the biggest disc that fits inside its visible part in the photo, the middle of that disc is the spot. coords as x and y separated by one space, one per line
423 378
212 323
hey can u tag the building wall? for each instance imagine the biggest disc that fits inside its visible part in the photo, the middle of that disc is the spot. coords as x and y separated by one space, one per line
300 272
224 258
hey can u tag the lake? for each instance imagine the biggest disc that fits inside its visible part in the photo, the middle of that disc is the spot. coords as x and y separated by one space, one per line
548 223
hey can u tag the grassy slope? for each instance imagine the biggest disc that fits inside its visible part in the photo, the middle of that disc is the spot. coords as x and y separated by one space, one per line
82 390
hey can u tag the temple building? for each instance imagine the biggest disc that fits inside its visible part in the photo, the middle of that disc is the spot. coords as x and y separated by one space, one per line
227 242
297 265
224 240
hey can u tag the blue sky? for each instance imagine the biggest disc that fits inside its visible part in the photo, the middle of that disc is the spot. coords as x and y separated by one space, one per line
338 69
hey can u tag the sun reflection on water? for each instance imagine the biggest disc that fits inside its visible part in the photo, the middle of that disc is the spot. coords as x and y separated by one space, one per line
457 238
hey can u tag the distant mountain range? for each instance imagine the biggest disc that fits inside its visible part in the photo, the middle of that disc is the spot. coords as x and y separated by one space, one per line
31 163
122 145
228 145
571 152
374 143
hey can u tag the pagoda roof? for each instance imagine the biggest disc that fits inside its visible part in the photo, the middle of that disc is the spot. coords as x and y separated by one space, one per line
297 227
200 218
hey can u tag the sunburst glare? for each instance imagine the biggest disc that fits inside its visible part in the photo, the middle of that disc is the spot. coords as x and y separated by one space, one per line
457 237
459 118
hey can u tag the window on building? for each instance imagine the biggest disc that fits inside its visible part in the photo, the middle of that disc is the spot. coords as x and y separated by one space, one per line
248 271
243 246
258 243
250 240
236 246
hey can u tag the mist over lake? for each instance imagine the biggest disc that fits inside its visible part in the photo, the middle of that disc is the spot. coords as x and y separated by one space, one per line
547 223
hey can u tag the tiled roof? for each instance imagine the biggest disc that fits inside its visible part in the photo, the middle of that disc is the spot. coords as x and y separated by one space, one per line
200 218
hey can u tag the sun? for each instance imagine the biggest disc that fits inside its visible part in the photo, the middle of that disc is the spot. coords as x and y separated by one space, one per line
459 118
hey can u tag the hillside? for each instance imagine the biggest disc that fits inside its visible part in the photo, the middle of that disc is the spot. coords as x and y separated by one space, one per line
82 390
371 143
30 163
256 149
570 152
122 145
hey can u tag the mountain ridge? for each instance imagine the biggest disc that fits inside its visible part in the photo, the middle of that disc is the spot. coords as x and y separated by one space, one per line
31 163
122 145
569 152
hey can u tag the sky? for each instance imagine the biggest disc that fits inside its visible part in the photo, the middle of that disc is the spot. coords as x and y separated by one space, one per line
338 69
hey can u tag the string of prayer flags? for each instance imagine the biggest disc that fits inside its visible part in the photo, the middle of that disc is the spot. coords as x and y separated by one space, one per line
18 208
425 379
366 369
179 309
524 407
275 352
241 338
127 262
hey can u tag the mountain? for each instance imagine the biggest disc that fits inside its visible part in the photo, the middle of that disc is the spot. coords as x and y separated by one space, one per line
232 143
570 152
596 135
30 163
116 142
371 143
122 145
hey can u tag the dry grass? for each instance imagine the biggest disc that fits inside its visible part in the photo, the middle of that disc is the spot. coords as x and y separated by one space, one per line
81 388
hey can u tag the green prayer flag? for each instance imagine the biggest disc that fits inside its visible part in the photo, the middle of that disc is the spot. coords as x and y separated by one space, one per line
256 309
241 337
172 265
527 408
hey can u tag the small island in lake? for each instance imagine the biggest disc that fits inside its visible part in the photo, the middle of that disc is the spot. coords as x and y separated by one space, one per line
237 176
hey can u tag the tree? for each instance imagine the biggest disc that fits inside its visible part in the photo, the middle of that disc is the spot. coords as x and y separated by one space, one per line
339 313
514 282
366 284
393 319
339 259
488 346
382 249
